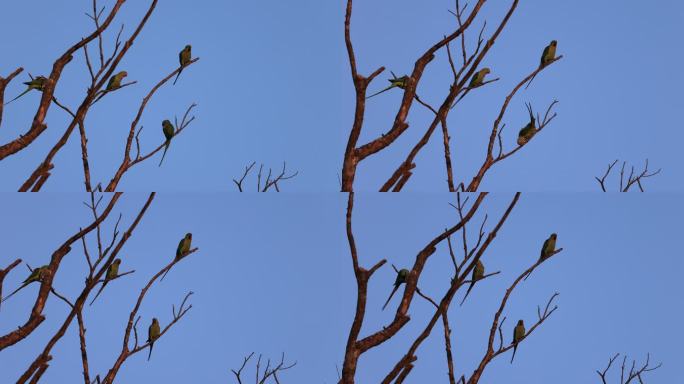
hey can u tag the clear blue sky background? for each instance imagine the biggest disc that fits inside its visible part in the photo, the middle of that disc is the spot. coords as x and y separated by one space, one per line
275 275
273 84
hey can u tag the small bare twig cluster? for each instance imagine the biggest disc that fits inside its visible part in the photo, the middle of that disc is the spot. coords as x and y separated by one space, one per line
629 373
100 70
627 180
458 87
463 269
98 264
270 372
271 181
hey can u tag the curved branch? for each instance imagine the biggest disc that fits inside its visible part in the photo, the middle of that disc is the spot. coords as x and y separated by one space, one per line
36 316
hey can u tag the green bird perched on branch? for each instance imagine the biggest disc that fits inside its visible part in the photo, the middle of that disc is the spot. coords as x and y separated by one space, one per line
112 273
478 273
37 83
402 275
395 82
518 334
183 248
549 247
36 275
115 81
529 130
169 131
475 81
184 57
152 335
113 84
478 78
548 55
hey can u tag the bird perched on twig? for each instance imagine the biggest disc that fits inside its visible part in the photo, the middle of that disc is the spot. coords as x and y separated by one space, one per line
36 275
37 83
548 55
475 81
184 57
113 84
518 334
402 275
183 248
549 247
529 130
395 82
152 335
112 273
169 132
478 273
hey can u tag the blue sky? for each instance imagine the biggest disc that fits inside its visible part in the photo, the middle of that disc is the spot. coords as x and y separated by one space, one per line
273 84
274 274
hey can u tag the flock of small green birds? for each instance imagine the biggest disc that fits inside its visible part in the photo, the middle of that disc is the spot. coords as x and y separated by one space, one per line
529 130
37 274
154 330
548 249
184 57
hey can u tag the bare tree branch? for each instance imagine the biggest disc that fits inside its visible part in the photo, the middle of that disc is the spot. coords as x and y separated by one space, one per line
271 180
458 88
270 372
634 374
630 180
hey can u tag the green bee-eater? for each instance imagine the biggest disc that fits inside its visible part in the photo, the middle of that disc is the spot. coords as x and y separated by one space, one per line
549 247
152 335
113 84
37 83
112 273
36 275
529 130
183 248
475 81
548 55
518 334
395 82
115 81
478 78
478 273
401 279
184 58
169 131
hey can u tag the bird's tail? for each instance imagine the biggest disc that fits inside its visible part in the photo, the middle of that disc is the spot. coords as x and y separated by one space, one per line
164 275
20 95
390 297
468 291
12 294
164 154
530 82
98 294
528 275
515 347
177 76
377 93
460 98
99 97
150 353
